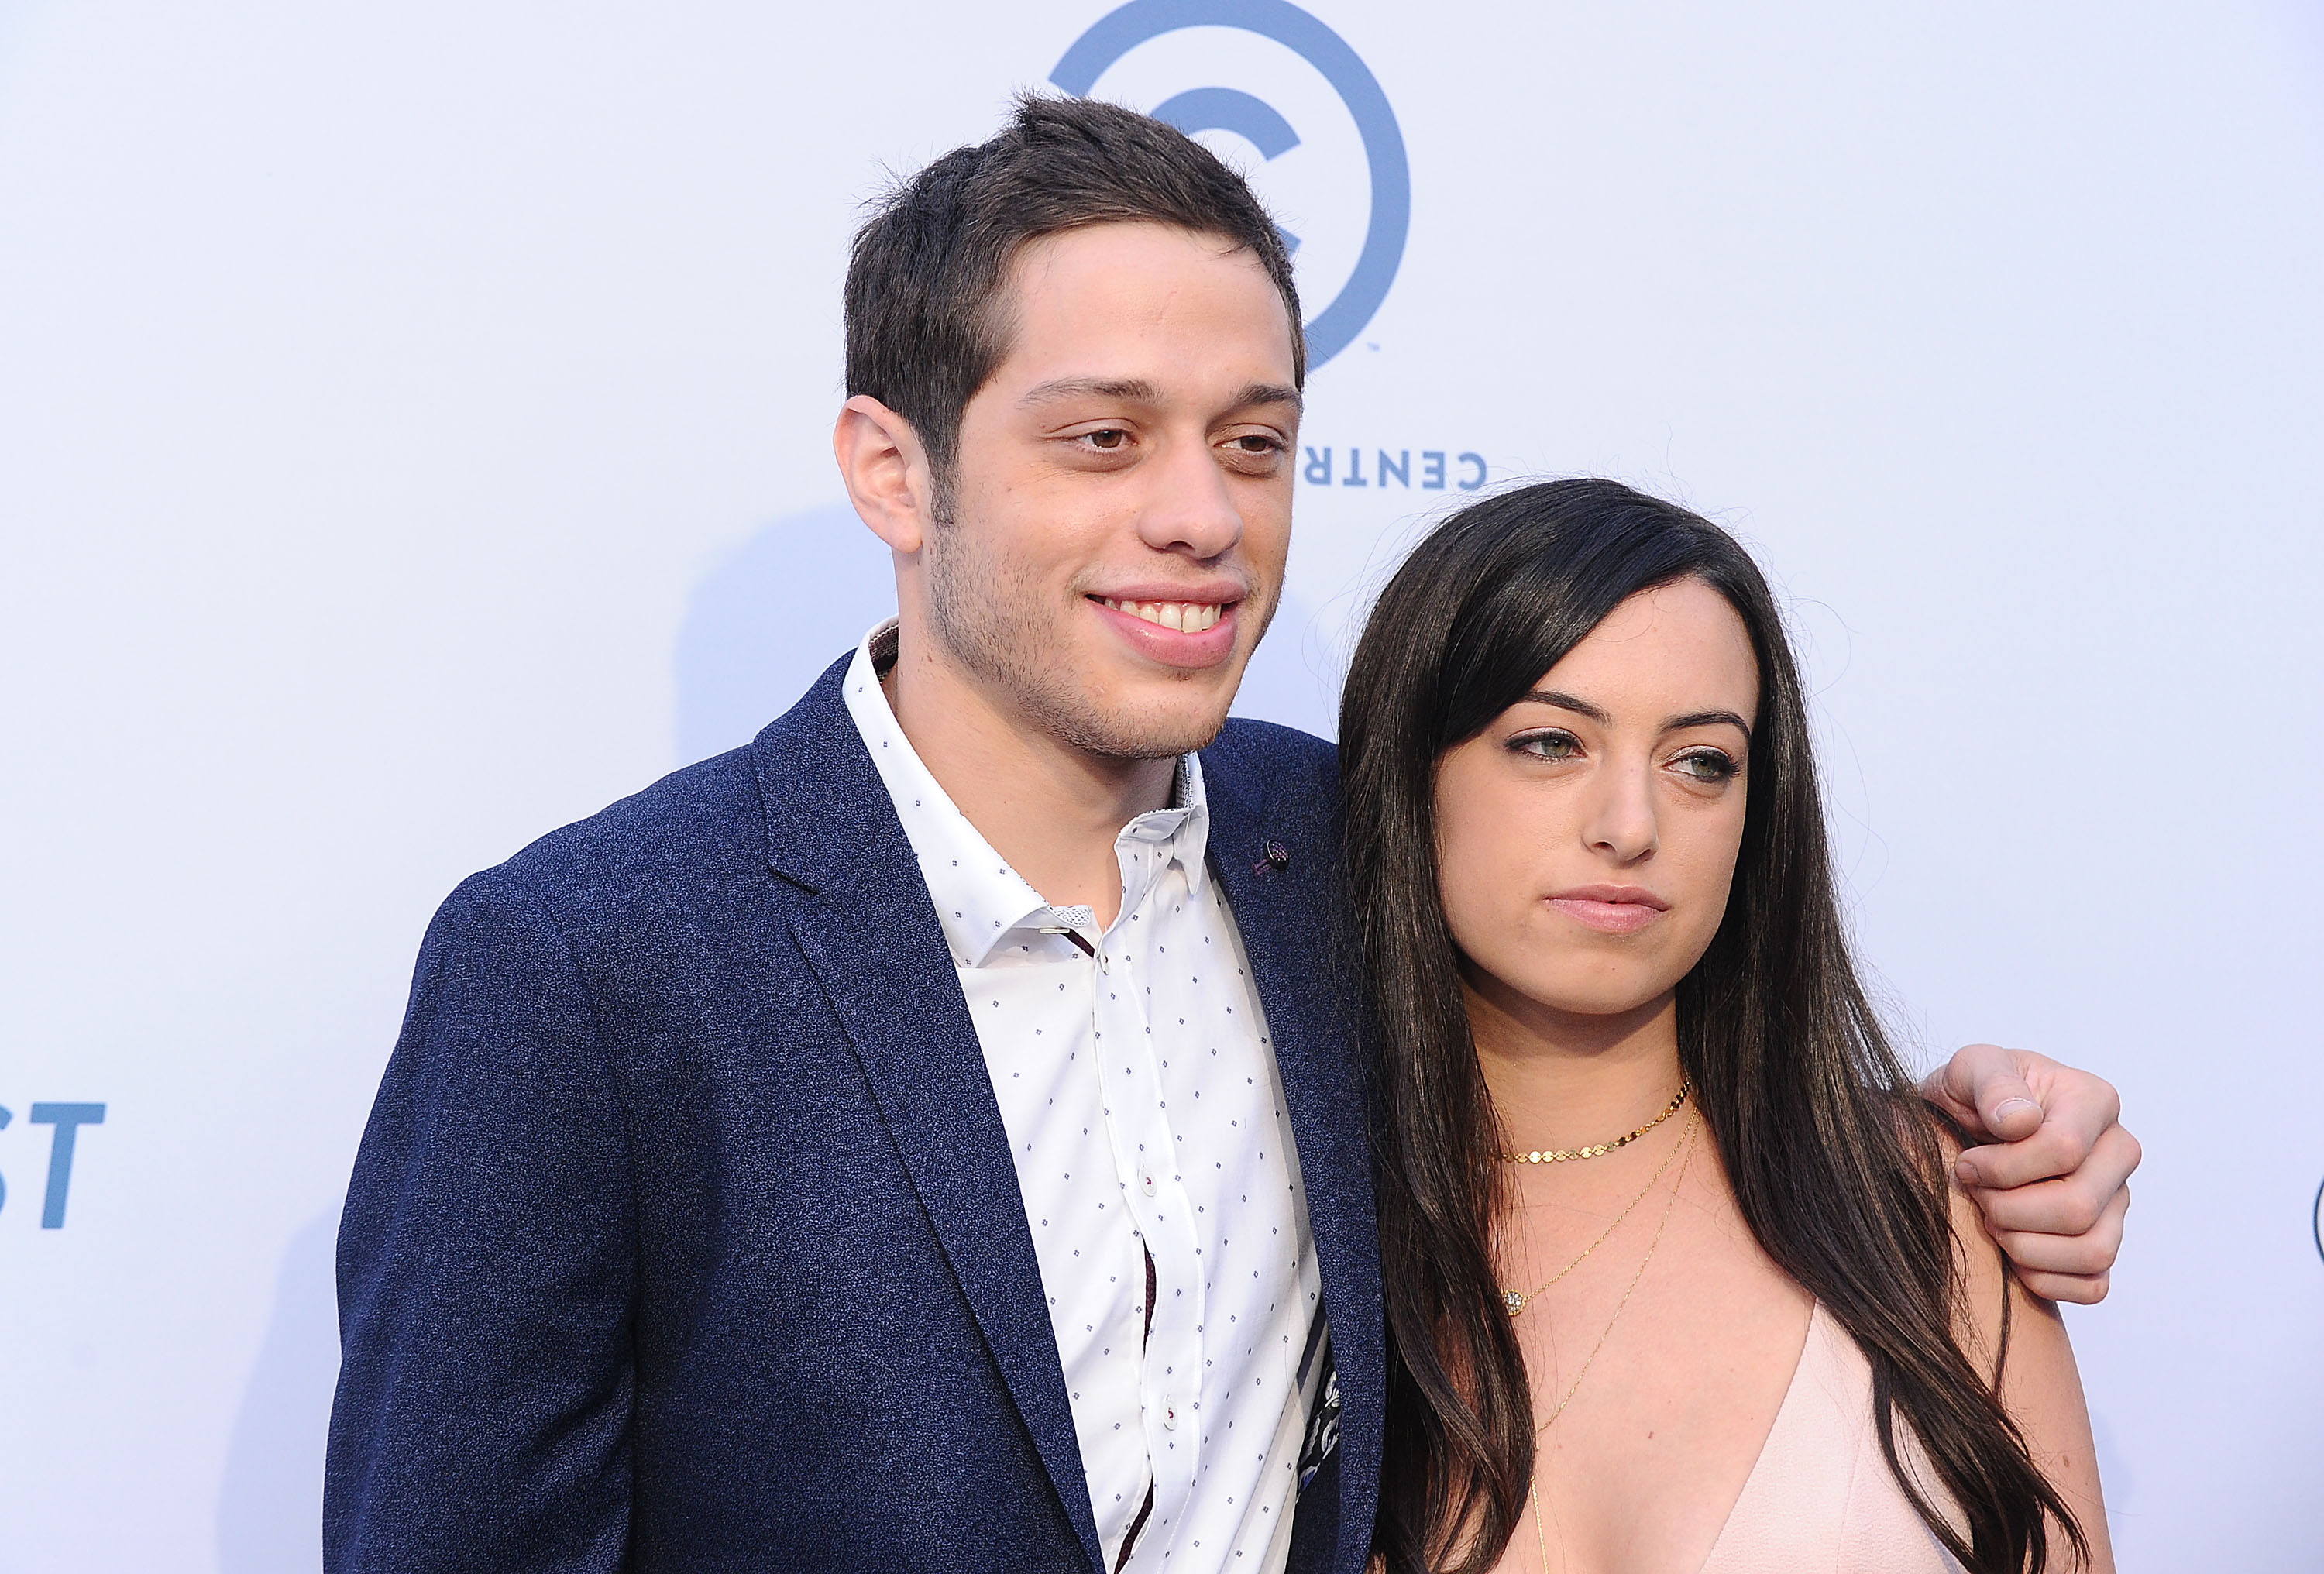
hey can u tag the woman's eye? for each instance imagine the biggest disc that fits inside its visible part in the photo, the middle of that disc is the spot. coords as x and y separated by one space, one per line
1548 745
1709 766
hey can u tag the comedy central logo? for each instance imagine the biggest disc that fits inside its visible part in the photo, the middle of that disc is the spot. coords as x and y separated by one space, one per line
1200 107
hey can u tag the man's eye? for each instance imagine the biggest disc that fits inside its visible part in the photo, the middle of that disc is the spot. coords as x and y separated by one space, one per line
1709 766
1548 745
1258 443
1107 438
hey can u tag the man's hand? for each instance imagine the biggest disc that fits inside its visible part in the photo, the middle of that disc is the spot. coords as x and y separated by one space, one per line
2051 1185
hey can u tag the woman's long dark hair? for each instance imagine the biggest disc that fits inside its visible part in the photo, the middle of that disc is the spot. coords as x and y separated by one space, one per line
1837 1167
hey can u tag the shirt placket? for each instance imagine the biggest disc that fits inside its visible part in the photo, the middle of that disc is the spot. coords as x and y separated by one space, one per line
1137 1123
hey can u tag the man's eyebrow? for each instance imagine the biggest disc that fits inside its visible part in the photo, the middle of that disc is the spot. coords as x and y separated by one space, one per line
1269 393
1135 389
1581 707
1138 391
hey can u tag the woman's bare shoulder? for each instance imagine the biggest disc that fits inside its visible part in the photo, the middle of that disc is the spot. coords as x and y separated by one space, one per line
2018 1342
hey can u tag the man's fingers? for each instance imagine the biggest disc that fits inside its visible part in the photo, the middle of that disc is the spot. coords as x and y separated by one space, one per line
2052 1150
2067 1207
2084 1253
2081 1290
2051 1189
2097 1162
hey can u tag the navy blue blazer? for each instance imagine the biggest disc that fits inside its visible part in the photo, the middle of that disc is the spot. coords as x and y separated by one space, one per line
685 1234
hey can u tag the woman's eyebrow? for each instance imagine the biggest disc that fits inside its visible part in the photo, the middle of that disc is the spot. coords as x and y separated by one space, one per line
1581 707
1566 702
1708 719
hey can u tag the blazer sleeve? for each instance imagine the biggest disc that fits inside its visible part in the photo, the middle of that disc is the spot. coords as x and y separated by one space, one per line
487 1270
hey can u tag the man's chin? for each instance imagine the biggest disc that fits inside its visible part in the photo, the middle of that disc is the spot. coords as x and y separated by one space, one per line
1119 737
1093 696
1126 724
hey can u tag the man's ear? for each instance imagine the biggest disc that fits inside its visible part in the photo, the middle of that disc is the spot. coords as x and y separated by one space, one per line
886 471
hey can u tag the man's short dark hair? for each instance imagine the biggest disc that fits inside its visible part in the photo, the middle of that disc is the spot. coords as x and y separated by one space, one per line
925 324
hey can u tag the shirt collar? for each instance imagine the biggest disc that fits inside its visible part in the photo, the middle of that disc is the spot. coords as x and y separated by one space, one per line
980 900
1183 830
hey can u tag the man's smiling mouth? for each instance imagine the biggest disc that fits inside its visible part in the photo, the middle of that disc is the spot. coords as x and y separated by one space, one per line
1186 617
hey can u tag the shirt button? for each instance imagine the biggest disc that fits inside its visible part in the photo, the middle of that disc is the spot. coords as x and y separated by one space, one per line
1146 1184
1170 1418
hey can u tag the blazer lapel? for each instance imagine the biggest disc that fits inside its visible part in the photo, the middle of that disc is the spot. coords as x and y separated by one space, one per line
870 936
1286 907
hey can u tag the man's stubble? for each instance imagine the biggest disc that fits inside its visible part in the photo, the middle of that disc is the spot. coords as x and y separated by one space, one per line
992 617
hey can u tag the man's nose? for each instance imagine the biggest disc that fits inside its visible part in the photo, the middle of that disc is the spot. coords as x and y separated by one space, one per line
1189 509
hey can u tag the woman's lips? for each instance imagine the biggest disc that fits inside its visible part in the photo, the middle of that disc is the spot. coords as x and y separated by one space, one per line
1611 909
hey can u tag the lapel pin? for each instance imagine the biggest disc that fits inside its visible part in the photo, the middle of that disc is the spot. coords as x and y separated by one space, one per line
1276 856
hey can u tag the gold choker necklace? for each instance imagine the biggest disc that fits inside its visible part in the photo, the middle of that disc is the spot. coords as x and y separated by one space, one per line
1552 1155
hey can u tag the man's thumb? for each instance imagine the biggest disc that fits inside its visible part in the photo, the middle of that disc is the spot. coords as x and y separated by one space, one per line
1983 1085
2007 1104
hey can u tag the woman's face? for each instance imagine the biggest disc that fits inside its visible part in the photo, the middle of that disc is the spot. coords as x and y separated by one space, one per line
1586 838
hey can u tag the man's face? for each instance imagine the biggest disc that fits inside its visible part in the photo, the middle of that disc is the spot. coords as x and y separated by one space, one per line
1123 497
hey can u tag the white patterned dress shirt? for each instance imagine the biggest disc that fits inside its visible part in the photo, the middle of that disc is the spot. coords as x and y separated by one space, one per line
1139 1094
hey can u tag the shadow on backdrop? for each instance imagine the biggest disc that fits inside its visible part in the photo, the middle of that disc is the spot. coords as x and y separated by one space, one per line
767 617
270 1518
770 615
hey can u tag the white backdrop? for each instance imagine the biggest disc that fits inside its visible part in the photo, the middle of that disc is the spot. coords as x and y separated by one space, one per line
414 429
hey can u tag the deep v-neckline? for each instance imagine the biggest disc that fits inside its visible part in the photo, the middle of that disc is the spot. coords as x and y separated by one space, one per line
1822 1493
1800 1363
1774 1427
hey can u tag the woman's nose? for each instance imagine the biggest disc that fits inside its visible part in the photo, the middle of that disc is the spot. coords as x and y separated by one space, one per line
1621 823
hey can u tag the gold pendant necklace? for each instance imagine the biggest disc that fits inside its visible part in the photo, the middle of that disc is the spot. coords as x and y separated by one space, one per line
1540 1525
1686 1144
1553 1155
1518 1301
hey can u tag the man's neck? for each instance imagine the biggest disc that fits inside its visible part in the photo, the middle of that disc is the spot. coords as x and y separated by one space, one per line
1052 810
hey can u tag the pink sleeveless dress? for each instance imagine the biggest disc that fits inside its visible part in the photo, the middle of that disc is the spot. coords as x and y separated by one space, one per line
1820 1496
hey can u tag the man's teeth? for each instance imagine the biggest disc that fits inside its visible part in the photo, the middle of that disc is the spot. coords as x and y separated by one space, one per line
1187 617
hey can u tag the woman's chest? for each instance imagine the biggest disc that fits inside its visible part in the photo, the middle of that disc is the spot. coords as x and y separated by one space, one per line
1663 1370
